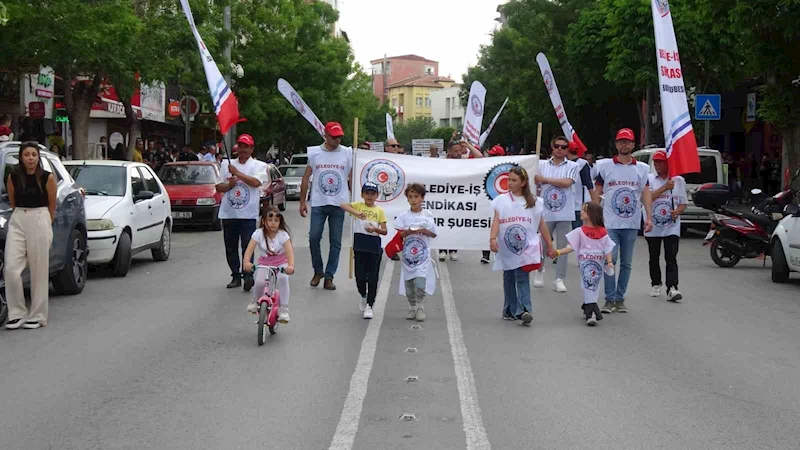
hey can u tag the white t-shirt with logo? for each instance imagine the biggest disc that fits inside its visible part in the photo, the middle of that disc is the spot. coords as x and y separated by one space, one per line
241 202
591 261
331 169
558 202
518 240
663 224
622 188
269 246
416 255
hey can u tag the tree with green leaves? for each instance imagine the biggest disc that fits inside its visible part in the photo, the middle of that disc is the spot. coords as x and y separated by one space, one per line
416 128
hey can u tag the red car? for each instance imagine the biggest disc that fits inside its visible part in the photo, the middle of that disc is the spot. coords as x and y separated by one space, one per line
273 189
192 192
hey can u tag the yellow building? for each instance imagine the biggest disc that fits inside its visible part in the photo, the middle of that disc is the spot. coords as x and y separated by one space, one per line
412 97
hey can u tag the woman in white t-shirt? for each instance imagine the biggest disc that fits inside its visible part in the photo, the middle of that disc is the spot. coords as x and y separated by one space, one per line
514 238
275 244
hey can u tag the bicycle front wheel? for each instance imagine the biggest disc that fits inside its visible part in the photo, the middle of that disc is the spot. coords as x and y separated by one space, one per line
262 319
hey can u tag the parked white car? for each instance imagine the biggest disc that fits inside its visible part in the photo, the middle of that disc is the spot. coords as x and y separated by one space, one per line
127 212
786 245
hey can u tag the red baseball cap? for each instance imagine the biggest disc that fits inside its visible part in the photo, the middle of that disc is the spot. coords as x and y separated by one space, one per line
334 129
660 155
625 134
246 139
497 151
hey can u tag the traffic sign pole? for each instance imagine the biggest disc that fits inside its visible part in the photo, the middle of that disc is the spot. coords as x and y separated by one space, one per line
707 135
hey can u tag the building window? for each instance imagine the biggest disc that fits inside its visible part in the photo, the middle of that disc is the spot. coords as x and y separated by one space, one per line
394 103
377 69
454 103
427 102
389 67
457 123
419 101
444 123
429 70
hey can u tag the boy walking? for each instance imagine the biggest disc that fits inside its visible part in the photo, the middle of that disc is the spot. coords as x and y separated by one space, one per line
367 231
417 227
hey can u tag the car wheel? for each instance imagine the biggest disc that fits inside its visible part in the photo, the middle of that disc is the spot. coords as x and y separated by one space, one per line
122 257
3 302
72 278
780 268
161 253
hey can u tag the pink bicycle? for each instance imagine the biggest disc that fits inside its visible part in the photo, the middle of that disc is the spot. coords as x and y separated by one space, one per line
268 303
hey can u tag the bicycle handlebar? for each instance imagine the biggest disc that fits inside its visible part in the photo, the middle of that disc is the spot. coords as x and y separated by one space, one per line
277 269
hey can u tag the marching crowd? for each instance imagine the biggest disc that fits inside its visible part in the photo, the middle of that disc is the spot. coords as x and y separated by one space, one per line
569 206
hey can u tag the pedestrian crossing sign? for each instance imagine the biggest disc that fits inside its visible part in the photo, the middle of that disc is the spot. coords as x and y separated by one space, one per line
707 107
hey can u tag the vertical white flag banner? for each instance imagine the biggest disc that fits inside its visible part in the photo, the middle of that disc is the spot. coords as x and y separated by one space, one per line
558 106
681 144
474 117
389 127
459 191
488 131
300 105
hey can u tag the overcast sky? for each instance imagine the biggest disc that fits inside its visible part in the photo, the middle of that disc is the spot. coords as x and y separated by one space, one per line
447 31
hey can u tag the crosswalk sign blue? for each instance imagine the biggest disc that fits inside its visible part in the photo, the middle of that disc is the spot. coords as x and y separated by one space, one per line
707 107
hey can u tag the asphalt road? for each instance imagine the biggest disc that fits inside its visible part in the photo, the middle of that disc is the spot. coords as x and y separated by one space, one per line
166 358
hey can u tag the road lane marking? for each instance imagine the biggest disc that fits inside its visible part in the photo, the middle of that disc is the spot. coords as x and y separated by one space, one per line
467 394
346 431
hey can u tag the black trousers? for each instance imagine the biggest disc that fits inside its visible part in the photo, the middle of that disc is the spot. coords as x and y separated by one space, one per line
670 255
367 267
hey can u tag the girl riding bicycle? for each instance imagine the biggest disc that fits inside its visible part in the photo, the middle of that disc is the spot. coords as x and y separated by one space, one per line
275 244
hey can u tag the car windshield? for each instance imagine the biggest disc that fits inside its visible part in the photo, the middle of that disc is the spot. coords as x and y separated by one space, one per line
188 174
295 172
708 171
99 180
299 159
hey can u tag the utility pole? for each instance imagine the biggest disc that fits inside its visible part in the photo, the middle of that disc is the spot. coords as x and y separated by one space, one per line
385 78
226 24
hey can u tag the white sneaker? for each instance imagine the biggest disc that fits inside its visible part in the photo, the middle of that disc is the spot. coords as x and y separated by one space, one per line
283 314
674 295
656 291
368 312
538 279
442 255
558 285
453 256
252 307
362 304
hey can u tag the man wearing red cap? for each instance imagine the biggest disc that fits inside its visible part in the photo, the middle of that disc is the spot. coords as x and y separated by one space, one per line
669 201
240 206
623 182
330 163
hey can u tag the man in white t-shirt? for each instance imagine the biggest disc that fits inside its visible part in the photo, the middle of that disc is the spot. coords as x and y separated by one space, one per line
669 201
392 146
623 182
240 206
555 179
330 164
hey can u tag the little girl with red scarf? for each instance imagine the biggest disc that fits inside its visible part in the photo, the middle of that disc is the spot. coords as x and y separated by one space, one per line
593 246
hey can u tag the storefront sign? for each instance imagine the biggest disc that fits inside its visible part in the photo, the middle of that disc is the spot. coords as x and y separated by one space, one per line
174 109
38 88
36 110
43 93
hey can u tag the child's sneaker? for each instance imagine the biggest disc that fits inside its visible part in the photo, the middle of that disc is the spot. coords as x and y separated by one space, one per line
591 320
420 314
368 312
527 318
252 307
412 313
538 279
363 304
442 255
283 314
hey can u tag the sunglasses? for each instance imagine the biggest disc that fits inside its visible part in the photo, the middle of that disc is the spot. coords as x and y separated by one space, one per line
395 145
561 146
273 215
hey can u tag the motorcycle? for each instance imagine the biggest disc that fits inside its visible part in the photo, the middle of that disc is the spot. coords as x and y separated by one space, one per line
738 233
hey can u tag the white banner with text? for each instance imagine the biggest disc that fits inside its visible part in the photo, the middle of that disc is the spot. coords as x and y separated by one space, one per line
459 191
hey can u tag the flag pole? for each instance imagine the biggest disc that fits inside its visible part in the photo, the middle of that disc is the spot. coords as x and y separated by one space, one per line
352 190
539 139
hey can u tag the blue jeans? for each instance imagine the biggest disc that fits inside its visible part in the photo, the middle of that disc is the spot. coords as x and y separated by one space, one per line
237 232
625 240
335 217
516 292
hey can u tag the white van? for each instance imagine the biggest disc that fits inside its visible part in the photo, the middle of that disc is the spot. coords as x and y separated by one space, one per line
712 170
300 159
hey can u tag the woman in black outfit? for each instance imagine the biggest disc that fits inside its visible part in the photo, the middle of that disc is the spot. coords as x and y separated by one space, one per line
32 193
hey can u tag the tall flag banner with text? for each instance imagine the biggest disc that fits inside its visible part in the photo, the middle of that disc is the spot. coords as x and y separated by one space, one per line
558 105
486 133
459 191
300 105
679 137
474 117
226 107
389 127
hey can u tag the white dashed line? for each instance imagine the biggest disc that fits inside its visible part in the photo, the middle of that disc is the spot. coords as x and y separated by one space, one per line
346 431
